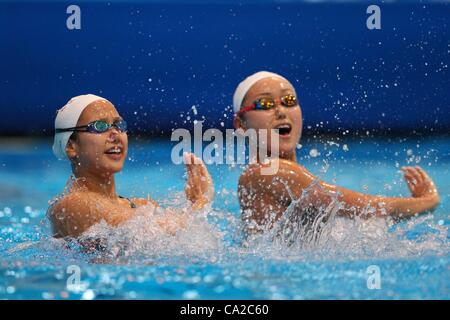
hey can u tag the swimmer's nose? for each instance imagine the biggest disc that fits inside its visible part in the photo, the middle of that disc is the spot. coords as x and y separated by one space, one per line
280 111
114 130
113 134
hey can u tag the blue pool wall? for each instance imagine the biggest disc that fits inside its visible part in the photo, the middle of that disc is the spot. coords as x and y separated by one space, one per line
156 60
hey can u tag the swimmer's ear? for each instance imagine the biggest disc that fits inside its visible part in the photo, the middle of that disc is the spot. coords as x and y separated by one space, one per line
239 123
71 149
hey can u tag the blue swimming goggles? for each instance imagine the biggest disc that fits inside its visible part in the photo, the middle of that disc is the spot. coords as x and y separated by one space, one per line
98 126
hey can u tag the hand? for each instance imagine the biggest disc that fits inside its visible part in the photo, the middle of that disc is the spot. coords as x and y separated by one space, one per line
420 184
199 186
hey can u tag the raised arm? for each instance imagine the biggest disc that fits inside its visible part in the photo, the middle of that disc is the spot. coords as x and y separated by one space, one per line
199 186
265 193
199 191
424 198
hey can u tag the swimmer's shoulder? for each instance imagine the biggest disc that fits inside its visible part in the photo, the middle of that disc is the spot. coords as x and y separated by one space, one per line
140 202
76 205
70 212
253 179
65 202
80 202
287 173
254 171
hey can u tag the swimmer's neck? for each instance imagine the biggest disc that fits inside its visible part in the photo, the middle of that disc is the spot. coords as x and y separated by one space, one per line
290 156
103 184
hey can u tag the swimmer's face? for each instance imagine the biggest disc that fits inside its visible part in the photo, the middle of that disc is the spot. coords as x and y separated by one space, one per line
289 118
92 152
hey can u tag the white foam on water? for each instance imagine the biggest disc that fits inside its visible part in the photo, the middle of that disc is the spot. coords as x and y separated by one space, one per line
142 237
316 232
304 233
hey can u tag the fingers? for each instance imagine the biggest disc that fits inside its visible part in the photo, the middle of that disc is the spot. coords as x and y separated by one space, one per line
188 166
195 166
416 175
188 162
204 172
428 182
190 159
422 173
419 183
413 180
407 175
413 175
196 173
190 182
193 173
199 183
409 182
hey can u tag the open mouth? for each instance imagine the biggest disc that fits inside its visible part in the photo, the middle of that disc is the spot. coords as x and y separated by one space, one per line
284 129
116 150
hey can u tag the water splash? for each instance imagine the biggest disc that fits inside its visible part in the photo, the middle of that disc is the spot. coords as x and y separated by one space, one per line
309 230
143 238
214 236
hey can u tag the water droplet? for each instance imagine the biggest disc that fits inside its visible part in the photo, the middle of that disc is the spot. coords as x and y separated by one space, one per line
191 294
314 153
88 295
10 290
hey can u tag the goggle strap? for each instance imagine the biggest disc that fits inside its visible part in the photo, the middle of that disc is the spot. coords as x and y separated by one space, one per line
245 109
74 129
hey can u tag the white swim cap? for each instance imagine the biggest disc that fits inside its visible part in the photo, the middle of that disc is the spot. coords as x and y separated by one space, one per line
67 117
245 85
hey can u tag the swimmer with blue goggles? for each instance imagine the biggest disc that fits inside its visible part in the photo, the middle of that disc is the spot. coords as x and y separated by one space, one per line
90 133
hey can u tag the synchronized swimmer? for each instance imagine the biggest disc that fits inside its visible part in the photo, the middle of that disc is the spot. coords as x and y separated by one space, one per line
91 134
268 101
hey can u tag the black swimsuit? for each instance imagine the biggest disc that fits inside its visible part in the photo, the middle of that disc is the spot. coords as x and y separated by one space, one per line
132 204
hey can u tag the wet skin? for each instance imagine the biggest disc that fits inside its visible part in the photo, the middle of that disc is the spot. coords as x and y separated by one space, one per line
264 198
95 158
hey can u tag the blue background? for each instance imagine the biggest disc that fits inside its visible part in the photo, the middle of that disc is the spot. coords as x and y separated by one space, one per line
348 77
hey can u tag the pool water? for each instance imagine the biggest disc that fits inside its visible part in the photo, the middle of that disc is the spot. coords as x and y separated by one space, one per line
209 260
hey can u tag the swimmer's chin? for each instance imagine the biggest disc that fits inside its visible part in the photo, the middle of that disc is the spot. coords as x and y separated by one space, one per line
112 167
106 167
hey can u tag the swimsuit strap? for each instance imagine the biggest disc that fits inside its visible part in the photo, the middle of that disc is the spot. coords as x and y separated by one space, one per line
132 204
